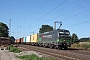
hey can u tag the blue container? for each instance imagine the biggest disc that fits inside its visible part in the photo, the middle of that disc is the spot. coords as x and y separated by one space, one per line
24 39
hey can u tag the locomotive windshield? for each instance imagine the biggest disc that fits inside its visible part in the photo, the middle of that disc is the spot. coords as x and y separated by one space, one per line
64 33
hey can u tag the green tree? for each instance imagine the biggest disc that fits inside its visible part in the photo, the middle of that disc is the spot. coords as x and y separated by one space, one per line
74 38
4 30
45 28
84 39
12 39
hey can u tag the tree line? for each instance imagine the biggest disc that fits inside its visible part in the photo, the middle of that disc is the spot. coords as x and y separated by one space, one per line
84 39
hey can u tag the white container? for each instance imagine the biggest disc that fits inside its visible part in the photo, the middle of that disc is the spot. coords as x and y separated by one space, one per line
28 39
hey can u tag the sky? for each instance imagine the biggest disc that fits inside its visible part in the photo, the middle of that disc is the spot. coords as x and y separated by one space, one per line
27 16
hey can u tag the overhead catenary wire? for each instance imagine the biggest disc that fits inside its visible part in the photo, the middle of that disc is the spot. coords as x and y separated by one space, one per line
41 8
44 6
75 14
72 11
79 23
68 12
77 26
50 11
73 7
56 7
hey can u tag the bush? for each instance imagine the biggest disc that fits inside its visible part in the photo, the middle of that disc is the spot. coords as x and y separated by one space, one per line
14 49
87 46
78 45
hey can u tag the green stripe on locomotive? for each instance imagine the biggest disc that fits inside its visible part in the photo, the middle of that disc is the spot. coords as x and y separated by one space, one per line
62 40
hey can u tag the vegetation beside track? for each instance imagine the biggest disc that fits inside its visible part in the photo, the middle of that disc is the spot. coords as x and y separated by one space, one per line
14 49
27 57
82 45
33 57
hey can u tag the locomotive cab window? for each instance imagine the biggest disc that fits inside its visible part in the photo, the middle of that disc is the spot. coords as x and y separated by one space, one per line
64 33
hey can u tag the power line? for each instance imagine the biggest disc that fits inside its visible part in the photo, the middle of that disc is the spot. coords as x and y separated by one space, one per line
41 8
50 11
74 6
77 14
70 12
63 14
87 21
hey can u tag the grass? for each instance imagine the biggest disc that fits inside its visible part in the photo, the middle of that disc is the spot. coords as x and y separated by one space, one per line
33 57
82 45
27 57
14 49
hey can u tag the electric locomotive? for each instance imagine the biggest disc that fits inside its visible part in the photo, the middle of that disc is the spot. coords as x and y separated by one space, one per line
59 38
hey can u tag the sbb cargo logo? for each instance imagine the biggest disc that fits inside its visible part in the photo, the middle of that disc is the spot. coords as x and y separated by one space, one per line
47 36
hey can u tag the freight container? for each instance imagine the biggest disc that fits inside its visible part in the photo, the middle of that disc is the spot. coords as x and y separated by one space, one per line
28 39
24 39
34 38
21 40
18 40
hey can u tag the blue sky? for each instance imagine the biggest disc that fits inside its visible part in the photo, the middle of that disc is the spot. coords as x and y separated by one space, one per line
29 15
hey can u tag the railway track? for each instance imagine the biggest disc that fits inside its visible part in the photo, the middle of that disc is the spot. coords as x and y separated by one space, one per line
85 52
60 54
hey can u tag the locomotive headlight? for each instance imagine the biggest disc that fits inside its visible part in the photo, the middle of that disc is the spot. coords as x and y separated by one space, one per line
64 40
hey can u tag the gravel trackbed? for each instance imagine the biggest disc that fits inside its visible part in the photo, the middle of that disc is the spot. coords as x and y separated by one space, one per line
5 55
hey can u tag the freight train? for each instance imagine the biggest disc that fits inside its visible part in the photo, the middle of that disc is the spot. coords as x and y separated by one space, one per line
59 39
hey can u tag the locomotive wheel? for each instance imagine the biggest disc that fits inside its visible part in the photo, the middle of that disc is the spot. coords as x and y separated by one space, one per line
58 47
51 46
65 48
